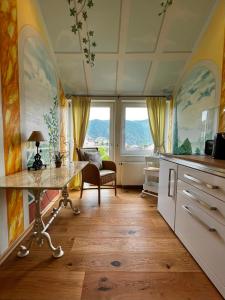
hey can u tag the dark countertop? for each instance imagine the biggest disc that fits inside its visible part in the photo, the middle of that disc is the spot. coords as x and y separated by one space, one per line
199 162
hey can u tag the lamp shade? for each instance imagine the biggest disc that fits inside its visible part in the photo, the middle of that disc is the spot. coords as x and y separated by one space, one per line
36 136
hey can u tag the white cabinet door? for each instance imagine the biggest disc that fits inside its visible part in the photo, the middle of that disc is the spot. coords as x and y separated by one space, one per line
202 235
167 191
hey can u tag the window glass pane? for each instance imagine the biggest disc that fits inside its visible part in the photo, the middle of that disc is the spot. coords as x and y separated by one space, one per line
137 137
98 132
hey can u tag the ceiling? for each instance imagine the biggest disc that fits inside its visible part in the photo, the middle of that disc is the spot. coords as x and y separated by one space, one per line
137 53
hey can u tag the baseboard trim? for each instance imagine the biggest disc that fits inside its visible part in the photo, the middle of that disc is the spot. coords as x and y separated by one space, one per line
13 246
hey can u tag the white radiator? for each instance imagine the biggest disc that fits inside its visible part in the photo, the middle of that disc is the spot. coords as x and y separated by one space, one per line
132 173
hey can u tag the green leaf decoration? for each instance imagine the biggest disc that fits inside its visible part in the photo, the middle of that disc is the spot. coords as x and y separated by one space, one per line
165 4
72 11
78 10
90 3
52 123
84 15
79 25
74 28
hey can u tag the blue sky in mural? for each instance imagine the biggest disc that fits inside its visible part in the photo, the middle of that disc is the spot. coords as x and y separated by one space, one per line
39 70
39 84
195 112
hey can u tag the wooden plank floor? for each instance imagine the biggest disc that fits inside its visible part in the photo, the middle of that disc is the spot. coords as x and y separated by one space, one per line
122 250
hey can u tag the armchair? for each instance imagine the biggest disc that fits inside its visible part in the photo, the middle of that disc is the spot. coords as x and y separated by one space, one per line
93 175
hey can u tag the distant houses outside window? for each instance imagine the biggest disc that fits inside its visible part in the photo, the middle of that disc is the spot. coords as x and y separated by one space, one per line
136 136
98 132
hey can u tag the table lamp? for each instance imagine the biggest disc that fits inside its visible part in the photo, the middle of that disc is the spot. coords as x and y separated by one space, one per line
37 136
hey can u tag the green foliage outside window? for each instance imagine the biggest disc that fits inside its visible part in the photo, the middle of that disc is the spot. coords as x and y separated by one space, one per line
103 153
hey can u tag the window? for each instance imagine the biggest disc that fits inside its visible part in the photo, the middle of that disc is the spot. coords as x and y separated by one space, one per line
136 136
99 132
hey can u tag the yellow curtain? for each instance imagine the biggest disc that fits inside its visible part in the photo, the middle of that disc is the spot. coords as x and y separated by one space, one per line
156 113
170 130
81 112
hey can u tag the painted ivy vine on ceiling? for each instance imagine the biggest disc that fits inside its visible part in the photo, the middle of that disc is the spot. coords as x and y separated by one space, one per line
78 10
165 4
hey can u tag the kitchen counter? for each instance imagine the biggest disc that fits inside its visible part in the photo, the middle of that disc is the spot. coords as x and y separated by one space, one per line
199 162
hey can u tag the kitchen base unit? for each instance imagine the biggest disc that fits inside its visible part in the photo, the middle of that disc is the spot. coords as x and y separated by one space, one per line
197 210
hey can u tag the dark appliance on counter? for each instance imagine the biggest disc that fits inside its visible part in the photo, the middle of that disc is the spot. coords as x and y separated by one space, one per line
209 147
219 146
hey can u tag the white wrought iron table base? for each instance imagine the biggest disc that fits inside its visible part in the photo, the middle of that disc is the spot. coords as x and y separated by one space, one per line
65 201
39 229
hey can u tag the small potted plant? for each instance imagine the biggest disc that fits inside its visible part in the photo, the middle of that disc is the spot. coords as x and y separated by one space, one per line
58 159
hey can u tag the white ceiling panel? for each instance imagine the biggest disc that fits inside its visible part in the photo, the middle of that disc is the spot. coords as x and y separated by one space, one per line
165 77
187 20
58 23
144 25
104 19
138 52
72 74
103 77
134 77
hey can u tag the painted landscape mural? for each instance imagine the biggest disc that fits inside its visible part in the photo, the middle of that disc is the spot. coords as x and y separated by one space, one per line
195 112
39 83
39 103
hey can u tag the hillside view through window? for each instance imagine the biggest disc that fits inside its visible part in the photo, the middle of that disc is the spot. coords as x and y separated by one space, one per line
137 137
98 132
136 133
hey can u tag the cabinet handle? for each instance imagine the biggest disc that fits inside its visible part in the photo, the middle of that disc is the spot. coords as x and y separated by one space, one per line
169 183
187 210
169 180
208 185
201 202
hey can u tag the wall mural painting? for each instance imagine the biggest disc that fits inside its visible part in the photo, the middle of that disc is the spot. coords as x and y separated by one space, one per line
222 101
15 214
39 93
46 199
63 119
195 112
51 120
11 112
39 100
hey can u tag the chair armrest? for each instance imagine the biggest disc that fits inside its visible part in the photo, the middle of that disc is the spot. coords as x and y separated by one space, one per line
91 174
109 165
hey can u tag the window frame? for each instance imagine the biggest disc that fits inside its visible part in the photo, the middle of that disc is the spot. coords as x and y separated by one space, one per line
123 152
110 104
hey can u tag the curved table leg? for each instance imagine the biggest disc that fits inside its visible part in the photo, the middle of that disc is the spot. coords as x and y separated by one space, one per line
24 251
65 201
39 233
56 251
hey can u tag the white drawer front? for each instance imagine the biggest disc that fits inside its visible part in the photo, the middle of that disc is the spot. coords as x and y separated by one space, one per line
211 205
211 184
204 238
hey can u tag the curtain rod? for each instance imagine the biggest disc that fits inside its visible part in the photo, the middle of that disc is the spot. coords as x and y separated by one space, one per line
117 97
